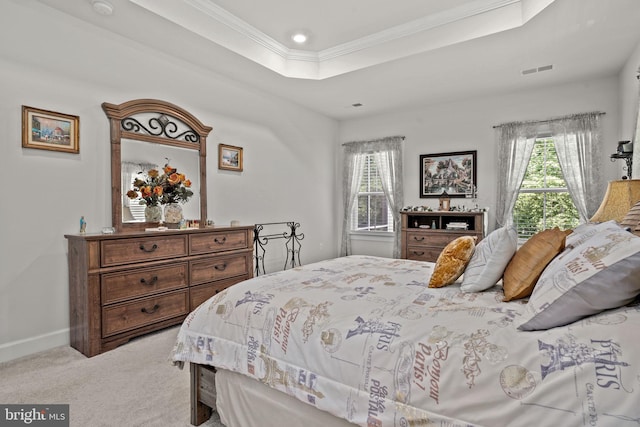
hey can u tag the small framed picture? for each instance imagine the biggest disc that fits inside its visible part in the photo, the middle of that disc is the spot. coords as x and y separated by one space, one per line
229 157
48 130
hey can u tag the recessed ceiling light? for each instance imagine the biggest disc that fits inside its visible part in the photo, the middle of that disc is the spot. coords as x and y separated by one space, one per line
102 7
299 38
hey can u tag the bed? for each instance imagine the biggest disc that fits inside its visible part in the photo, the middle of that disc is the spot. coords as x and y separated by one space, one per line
363 340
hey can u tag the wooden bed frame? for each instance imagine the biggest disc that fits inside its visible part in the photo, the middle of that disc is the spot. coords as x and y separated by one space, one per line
203 392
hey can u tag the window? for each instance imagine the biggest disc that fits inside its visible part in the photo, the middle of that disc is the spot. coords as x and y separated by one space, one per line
543 200
129 206
371 212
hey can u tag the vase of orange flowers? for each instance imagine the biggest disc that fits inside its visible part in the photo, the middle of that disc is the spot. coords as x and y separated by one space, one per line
172 215
169 189
153 213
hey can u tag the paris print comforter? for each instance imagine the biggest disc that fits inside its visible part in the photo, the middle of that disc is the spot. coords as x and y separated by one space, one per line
365 339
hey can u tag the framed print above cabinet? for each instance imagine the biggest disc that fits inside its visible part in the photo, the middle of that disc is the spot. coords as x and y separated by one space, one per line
229 157
453 173
48 130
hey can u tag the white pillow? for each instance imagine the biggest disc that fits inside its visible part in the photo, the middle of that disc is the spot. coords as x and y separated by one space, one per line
586 230
488 262
599 272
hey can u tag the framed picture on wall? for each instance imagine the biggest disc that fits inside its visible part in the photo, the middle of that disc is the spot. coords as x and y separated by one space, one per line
48 130
453 173
229 157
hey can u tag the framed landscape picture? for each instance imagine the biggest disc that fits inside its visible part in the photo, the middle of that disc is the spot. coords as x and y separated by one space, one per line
229 157
48 130
453 172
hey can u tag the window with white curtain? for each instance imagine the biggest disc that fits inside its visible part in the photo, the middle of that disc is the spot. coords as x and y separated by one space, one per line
543 199
372 190
371 212
576 142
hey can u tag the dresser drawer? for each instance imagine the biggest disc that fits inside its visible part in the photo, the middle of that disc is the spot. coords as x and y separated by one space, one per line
126 251
211 269
433 239
438 238
142 282
424 253
218 241
201 293
126 316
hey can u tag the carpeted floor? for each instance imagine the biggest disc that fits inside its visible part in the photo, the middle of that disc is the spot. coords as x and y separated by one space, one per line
134 385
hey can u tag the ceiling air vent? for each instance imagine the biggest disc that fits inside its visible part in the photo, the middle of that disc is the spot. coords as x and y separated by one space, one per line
537 70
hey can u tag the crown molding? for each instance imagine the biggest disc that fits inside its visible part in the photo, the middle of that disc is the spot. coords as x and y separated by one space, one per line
246 40
416 26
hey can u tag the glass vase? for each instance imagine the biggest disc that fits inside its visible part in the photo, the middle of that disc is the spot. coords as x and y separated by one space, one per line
153 213
172 215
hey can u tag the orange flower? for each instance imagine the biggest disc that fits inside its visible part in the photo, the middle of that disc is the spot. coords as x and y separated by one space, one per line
174 179
161 186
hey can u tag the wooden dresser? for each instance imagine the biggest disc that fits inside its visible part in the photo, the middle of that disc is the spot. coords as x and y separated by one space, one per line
425 244
127 284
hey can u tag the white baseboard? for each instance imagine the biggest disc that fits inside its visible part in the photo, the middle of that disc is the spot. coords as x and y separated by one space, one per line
27 346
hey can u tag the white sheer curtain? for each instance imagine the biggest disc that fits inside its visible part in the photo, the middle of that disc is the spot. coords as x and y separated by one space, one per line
515 145
388 157
577 142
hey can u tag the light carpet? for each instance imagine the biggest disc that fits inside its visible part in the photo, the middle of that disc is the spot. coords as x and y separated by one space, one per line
133 385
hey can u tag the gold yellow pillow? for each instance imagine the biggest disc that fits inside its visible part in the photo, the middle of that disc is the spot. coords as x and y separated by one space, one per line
526 266
452 261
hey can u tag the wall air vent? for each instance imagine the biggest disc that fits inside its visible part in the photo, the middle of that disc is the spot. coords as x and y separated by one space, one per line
537 70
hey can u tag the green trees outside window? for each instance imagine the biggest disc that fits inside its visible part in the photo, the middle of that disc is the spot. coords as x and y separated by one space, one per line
544 201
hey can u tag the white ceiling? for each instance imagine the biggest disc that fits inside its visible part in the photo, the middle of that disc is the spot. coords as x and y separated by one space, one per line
385 55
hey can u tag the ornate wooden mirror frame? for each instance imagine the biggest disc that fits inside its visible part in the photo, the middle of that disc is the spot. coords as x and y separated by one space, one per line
166 124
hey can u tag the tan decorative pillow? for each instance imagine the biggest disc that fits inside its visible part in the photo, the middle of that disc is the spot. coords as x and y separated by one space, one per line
529 262
452 261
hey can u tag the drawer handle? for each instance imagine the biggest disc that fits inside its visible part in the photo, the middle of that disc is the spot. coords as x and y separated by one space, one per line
418 240
153 248
418 253
222 267
153 310
153 281
221 241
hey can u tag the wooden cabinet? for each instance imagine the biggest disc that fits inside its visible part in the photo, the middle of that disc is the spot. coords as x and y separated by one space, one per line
128 284
425 234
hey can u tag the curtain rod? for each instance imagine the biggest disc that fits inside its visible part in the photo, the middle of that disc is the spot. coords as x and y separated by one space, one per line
570 116
374 140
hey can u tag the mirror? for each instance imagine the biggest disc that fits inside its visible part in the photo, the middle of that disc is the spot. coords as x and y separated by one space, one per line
138 157
147 134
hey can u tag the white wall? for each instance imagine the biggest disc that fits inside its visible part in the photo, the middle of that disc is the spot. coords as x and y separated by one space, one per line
629 99
286 153
468 125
